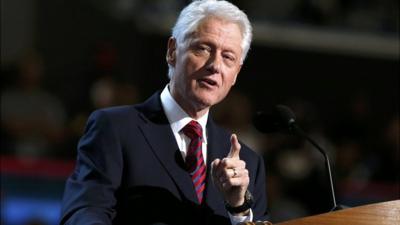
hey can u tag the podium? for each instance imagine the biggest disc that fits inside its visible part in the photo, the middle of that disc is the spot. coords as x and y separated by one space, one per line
384 213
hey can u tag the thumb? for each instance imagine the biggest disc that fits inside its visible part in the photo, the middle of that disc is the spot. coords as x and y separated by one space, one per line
235 147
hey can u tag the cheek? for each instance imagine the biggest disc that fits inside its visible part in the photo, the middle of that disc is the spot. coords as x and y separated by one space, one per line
194 63
230 77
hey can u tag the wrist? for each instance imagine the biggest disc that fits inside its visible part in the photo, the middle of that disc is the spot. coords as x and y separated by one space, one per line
241 207
245 213
236 202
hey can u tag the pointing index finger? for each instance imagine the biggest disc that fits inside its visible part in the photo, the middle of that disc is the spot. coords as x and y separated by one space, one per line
235 147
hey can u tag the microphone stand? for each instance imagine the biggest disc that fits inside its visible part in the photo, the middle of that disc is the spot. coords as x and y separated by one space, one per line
296 129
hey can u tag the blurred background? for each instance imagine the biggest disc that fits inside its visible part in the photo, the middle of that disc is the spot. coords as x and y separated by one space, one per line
334 62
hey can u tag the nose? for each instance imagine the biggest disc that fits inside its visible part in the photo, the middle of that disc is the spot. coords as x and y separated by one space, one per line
214 64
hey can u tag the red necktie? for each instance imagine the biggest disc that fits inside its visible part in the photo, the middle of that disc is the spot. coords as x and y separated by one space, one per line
194 157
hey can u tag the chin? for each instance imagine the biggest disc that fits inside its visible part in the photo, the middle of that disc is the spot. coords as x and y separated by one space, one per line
207 98
207 102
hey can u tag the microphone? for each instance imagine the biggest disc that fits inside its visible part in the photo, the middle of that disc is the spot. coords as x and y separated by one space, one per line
282 119
278 120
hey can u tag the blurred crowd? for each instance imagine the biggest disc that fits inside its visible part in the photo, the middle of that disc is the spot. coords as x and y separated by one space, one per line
39 122
370 15
355 15
35 123
365 159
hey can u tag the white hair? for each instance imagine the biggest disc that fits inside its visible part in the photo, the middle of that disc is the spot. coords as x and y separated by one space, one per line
193 14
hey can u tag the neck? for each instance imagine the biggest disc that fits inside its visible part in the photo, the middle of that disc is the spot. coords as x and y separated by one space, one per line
195 113
194 110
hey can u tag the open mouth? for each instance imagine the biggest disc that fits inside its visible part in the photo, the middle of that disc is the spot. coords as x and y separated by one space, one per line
208 82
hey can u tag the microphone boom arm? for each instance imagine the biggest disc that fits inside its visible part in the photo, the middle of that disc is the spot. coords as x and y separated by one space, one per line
283 119
296 129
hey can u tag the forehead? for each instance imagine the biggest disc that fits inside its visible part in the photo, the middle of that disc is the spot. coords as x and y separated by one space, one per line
218 30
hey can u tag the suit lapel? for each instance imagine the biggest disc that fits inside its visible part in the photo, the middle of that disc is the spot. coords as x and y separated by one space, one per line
159 136
218 147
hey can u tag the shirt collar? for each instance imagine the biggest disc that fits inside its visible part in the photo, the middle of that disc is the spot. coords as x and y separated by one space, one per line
177 117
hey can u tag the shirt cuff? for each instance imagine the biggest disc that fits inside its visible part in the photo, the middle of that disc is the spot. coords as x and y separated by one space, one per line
239 219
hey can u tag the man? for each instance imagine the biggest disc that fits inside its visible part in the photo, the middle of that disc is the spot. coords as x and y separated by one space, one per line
165 161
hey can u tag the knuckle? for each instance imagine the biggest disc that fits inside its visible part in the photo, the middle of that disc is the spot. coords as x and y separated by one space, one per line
241 164
224 162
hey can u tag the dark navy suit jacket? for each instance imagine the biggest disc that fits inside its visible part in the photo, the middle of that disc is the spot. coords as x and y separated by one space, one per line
130 171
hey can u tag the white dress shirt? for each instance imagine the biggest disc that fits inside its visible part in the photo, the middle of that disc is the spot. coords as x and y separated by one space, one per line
178 118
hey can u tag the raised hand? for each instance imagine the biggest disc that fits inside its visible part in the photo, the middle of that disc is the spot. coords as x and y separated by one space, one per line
230 175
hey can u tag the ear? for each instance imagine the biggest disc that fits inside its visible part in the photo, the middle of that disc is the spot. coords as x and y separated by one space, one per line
171 51
234 80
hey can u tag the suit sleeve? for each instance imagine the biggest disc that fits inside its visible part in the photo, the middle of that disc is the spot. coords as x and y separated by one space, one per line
89 196
259 194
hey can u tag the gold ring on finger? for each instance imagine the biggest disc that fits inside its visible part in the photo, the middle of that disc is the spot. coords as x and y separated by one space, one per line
234 172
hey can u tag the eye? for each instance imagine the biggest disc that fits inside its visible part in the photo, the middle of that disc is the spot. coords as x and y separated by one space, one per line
202 48
229 57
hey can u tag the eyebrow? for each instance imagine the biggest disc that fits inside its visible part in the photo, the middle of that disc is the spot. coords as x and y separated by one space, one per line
210 43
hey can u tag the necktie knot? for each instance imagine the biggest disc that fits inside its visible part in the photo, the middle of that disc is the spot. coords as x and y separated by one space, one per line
193 130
